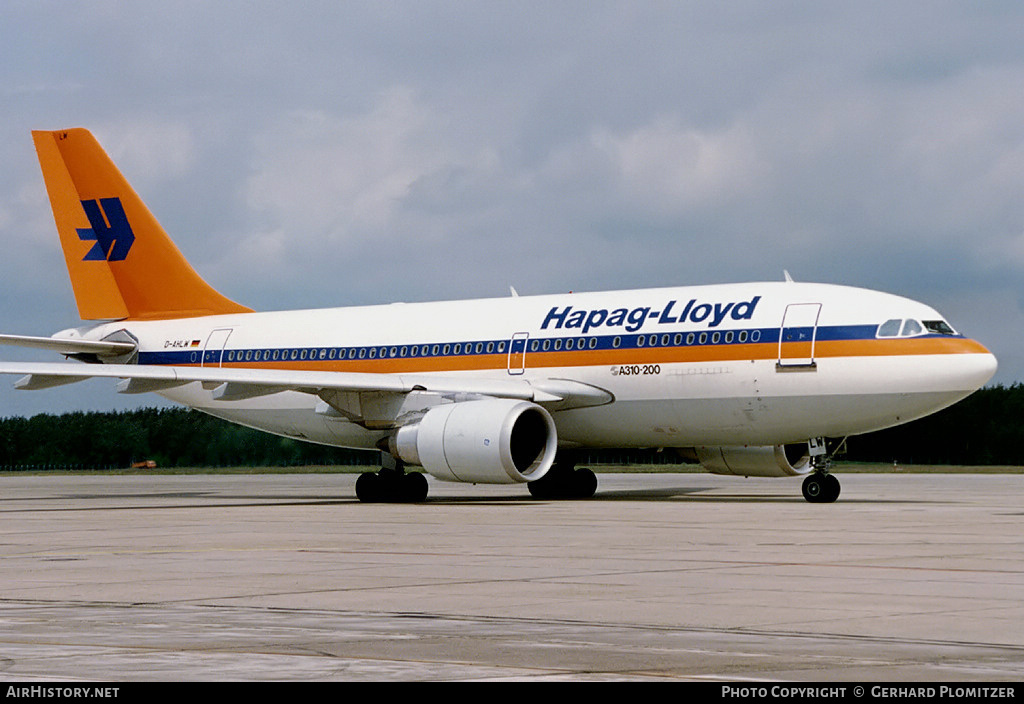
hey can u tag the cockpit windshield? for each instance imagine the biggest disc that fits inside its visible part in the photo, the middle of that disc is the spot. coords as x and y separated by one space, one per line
908 327
939 327
890 328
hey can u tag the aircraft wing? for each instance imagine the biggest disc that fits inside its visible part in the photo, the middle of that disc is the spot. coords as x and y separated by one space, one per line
237 384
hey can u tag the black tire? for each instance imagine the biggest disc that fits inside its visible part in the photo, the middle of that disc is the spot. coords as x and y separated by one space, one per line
813 488
551 486
832 488
575 484
584 483
414 488
368 487
541 489
821 488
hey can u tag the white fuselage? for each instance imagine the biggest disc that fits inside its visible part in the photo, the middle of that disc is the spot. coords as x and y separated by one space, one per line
740 364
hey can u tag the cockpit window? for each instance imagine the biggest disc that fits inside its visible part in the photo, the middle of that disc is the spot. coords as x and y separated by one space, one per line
908 327
890 328
911 327
939 327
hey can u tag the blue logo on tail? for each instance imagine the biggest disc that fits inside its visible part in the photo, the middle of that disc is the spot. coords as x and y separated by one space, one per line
113 234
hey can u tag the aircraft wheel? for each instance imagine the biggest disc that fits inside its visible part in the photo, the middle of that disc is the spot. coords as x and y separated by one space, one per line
414 488
812 488
391 487
585 483
563 484
368 487
821 488
832 488
540 489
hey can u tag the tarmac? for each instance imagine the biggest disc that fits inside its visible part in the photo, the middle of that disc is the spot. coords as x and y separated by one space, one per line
660 577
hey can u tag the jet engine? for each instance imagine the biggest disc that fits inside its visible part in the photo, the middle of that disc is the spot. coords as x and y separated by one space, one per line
490 441
769 461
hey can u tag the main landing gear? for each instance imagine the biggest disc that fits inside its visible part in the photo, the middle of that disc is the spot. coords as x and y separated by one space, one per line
564 481
391 485
821 487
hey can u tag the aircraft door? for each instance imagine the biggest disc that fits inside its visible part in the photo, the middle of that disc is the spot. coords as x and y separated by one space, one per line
797 335
517 353
214 351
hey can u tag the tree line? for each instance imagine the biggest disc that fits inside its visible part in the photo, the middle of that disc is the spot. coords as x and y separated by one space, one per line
170 437
984 429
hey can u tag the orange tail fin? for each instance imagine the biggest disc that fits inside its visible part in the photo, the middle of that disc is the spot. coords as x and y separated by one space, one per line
121 262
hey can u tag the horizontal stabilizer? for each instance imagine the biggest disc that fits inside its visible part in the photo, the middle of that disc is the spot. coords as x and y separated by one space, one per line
69 346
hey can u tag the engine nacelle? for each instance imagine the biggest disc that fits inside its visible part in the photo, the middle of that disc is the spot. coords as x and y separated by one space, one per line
769 461
492 441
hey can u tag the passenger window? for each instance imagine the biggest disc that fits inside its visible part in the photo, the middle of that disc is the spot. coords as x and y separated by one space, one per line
890 328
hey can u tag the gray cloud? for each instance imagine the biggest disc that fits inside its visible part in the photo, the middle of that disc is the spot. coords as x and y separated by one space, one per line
329 153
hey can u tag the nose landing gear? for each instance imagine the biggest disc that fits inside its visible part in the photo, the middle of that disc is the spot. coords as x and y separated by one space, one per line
821 487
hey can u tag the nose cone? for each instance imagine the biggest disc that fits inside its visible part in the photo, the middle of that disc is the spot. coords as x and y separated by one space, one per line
967 367
982 367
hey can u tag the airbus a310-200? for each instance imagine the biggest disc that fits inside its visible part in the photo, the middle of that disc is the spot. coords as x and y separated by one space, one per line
750 379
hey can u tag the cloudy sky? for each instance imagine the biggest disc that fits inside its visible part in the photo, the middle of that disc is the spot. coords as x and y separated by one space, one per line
313 154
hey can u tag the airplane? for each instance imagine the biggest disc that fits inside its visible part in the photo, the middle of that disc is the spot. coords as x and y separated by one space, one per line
748 379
